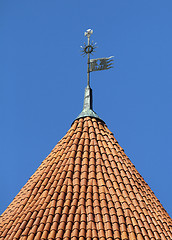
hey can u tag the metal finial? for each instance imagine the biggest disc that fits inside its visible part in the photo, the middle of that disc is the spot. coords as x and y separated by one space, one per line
88 33
87 50
92 65
88 98
89 47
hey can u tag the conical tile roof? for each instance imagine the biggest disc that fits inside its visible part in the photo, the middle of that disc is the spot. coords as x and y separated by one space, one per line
86 188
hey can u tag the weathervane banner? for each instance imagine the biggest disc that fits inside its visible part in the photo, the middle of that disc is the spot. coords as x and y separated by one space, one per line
99 64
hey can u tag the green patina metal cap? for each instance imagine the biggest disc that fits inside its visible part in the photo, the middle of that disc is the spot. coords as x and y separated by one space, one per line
88 105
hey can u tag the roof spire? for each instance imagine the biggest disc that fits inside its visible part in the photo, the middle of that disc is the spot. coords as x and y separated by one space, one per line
88 98
89 49
92 65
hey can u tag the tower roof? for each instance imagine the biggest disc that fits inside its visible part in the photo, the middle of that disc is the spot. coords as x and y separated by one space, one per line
87 188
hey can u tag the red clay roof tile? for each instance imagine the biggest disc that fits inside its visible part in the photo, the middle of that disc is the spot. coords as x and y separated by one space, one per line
86 188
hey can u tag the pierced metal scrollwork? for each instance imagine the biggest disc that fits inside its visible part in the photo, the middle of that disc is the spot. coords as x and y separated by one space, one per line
101 64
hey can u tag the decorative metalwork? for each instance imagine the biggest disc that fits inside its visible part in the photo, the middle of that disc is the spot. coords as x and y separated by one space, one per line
94 64
88 48
88 33
101 64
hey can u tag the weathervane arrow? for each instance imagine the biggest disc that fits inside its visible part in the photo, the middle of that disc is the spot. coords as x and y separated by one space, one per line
97 64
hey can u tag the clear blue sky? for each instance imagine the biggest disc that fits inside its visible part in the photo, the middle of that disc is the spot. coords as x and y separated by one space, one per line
43 76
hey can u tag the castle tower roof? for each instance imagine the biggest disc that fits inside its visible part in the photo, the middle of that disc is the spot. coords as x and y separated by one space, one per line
87 188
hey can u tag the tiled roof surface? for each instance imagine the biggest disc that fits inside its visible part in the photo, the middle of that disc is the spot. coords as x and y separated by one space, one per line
86 188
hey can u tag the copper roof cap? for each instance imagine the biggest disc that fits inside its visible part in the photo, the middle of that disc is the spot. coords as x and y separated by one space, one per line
88 105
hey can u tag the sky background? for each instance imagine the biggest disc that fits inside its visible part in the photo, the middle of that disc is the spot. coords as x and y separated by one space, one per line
43 77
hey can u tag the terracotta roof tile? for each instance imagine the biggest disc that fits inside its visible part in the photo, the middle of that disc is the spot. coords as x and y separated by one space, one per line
86 188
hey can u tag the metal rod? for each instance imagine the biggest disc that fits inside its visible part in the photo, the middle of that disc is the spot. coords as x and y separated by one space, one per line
88 65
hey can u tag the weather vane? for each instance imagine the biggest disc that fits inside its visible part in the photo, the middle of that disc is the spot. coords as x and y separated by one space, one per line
94 64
